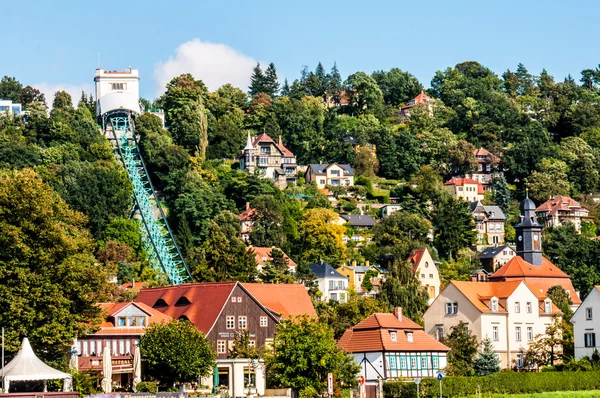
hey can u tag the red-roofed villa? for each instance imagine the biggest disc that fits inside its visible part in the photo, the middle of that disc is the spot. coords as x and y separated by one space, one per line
272 158
465 188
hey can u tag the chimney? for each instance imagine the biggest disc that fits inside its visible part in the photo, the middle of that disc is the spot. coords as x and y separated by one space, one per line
366 263
133 284
280 143
398 313
354 263
247 206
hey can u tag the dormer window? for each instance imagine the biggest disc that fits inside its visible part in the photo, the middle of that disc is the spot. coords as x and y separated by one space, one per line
182 301
494 305
393 336
547 306
160 303
409 337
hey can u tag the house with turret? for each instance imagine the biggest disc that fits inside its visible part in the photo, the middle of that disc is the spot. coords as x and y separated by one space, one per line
271 159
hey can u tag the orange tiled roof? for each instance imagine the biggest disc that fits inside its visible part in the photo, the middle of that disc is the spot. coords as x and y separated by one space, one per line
373 334
480 293
422 98
560 203
265 252
517 267
461 181
247 214
415 258
286 299
112 309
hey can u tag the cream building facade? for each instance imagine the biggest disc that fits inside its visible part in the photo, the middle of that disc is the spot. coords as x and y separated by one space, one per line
465 188
330 175
426 271
586 325
511 314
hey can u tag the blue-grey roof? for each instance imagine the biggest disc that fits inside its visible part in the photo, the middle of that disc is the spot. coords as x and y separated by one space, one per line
318 168
494 212
359 268
324 270
362 220
491 252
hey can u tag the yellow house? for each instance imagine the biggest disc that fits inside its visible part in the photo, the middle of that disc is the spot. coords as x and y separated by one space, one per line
332 175
356 275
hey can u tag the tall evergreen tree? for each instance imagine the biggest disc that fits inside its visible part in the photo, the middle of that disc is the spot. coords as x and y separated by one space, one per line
277 270
402 289
487 362
335 85
453 226
257 81
501 193
271 82
285 90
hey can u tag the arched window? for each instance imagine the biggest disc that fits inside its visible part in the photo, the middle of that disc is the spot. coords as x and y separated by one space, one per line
182 301
160 303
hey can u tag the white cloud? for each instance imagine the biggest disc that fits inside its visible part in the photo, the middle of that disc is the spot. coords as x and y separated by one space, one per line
213 63
48 89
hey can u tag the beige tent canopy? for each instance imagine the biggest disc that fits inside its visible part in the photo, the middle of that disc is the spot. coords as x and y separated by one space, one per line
26 366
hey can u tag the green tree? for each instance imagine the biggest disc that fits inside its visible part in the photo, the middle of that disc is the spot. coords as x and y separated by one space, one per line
561 299
364 93
28 95
341 316
62 100
271 82
397 86
277 269
547 347
258 81
321 237
463 350
176 352
242 348
453 226
487 362
402 289
303 353
267 220
501 194
550 180
399 233
50 280
10 89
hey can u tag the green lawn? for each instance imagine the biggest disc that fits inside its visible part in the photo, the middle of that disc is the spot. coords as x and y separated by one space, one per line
558 394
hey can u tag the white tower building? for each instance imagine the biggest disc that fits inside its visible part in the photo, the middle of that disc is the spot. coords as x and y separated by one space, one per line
117 90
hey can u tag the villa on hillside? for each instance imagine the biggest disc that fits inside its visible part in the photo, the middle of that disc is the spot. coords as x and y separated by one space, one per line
272 159
421 99
487 167
465 188
560 209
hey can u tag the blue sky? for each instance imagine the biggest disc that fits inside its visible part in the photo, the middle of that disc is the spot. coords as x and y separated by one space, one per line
55 44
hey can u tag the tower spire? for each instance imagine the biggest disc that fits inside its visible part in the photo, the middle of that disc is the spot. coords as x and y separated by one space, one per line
529 234
248 142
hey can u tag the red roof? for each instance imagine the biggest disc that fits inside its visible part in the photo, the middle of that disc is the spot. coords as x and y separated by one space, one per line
461 181
560 203
482 152
247 214
422 98
133 285
286 299
415 258
536 276
263 254
112 309
373 334
207 300
262 138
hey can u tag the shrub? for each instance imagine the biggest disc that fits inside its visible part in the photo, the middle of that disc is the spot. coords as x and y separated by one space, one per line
147 386
500 383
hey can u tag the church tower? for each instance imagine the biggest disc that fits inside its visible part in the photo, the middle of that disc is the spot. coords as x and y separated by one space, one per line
529 234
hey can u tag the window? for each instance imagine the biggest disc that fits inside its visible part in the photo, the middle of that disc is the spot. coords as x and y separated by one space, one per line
122 347
122 321
342 297
494 305
436 363
393 336
114 347
422 276
265 149
529 333
547 307
239 299
588 314
118 86
333 296
439 332
413 362
92 348
233 299
392 362
529 307
519 360
251 343
331 285
495 333
263 160
335 183
322 182
430 276
402 362
423 362
335 173
517 307
495 240
85 348
242 322
409 337
264 322
230 322
128 347
590 339
220 346
518 333
426 264
182 301
249 377
451 308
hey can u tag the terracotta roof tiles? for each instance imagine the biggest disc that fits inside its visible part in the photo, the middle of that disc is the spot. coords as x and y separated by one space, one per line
560 204
286 299
263 254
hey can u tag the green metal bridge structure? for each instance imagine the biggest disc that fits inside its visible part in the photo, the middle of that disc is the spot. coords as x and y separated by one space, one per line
157 238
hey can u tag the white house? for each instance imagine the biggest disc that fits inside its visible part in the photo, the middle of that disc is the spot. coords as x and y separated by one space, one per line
330 174
389 346
426 272
117 90
586 322
12 108
510 313
331 283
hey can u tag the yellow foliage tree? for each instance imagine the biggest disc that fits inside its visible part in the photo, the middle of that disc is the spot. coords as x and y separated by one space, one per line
321 237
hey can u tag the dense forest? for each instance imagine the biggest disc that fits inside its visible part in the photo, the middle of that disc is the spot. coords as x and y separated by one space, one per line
546 133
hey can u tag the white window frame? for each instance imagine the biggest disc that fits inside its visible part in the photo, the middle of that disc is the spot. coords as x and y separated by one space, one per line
589 314
495 333
393 336
518 333
589 339
547 307
494 305
409 337
264 322
529 307
221 347
529 333
230 322
242 322
435 364
517 307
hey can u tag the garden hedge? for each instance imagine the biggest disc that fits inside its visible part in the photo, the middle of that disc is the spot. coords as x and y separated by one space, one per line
498 383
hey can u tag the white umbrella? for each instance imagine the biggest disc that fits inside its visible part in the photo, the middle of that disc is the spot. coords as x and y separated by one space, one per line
106 371
137 367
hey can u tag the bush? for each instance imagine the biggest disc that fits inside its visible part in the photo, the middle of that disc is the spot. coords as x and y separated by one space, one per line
499 383
147 386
